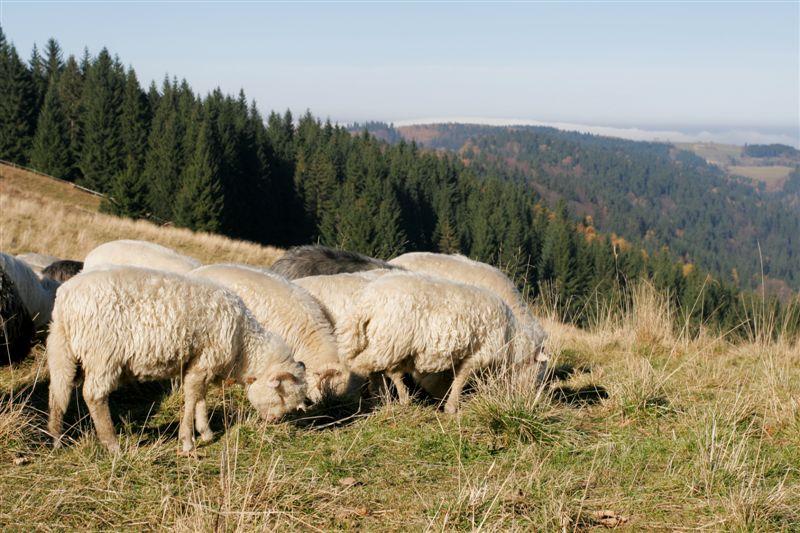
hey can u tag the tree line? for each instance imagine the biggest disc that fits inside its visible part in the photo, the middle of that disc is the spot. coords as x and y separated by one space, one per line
214 163
652 193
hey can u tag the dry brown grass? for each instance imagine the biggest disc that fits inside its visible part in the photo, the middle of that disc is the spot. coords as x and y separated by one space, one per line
45 216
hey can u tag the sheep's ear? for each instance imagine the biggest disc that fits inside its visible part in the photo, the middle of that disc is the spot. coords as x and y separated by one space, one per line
250 381
286 376
326 375
274 384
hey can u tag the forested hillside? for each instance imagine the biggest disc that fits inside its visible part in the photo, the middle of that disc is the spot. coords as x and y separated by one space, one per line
651 193
212 162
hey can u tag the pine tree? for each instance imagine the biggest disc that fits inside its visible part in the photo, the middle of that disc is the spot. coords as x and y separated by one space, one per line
101 154
135 119
389 240
50 153
128 192
163 162
39 77
17 105
70 90
54 63
199 202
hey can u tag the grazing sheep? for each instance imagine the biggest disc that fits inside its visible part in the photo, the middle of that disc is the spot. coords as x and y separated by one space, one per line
125 322
405 322
37 262
291 312
315 260
464 270
139 254
37 295
16 326
62 270
336 293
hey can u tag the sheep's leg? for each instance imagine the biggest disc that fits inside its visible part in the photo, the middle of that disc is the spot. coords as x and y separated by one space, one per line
193 386
459 380
403 396
101 416
201 417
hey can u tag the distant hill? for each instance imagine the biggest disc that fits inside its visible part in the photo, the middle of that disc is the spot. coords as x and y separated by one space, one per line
770 150
703 201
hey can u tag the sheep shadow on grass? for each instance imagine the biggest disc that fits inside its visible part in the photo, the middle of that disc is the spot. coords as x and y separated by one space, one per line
132 406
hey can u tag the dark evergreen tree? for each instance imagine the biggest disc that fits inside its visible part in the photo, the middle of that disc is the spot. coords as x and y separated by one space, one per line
135 122
17 105
54 62
39 76
128 195
102 147
199 202
70 89
164 158
50 153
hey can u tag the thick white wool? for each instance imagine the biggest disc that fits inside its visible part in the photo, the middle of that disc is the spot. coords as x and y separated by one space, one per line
147 325
464 270
405 322
293 313
37 296
337 293
139 254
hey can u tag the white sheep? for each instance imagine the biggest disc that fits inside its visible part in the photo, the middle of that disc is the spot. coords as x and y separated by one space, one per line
290 311
139 254
37 294
336 293
464 270
125 322
404 322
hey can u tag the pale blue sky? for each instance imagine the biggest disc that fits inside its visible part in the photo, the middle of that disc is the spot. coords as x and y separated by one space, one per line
666 65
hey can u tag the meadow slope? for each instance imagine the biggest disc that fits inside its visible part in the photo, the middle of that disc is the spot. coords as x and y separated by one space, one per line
642 428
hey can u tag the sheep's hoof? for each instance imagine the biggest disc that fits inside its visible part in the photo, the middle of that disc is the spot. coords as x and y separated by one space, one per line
450 409
206 436
187 453
113 448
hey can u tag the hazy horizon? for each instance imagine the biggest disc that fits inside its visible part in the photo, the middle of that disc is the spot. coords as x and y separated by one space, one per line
710 71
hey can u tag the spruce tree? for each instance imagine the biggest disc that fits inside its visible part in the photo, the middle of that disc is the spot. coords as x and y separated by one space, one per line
164 156
102 148
39 77
50 153
54 63
134 122
17 106
199 202
128 192
70 90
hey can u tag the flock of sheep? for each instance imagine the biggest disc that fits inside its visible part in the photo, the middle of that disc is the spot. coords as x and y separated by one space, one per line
318 322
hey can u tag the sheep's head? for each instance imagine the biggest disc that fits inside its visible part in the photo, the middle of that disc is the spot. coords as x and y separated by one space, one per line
276 394
332 380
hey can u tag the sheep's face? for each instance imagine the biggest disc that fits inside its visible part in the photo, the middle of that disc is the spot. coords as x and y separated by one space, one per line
274 395
334 380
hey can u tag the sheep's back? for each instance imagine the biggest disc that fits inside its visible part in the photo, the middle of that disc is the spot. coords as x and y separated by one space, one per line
148 322
139 254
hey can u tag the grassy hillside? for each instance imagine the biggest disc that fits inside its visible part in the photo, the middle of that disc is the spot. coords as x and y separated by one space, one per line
40 214
643 429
